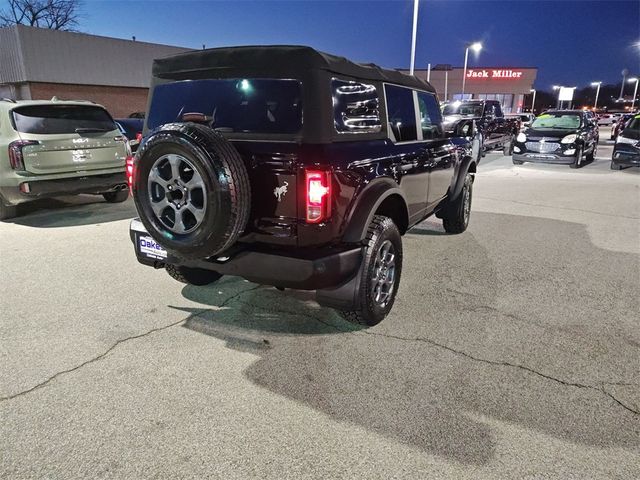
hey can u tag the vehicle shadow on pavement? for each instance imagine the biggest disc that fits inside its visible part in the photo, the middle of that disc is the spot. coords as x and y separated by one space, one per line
72 211
507 338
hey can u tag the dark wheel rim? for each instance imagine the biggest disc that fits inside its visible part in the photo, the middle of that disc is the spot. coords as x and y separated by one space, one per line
384 274
177 193
466 202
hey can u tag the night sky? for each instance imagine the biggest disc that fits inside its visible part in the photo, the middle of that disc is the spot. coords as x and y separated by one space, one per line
572 42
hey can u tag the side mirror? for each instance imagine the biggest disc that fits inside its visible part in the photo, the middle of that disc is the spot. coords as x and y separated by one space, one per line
464 129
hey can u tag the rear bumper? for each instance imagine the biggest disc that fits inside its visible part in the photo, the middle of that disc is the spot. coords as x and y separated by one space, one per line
311 269
33 188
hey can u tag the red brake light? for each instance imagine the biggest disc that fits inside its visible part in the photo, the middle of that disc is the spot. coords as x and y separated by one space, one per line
139 137
130 171
16 159
318 186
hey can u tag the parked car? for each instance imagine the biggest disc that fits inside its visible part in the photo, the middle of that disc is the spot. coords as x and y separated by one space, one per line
50 148
606 119
558 136
525 118
132 129
620 124
494 130
626 151
240 185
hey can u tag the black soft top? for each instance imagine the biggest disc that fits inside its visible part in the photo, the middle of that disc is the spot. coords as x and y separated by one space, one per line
280 61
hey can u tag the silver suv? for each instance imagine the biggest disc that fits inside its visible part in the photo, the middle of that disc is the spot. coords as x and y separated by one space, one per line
50 148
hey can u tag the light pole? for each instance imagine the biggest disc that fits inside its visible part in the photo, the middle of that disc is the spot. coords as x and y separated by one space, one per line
594 84
557 87
476 47
624 72
635 92
533 101
413 36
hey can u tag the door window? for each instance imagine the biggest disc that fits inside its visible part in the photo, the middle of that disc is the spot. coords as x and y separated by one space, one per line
430 116
401 113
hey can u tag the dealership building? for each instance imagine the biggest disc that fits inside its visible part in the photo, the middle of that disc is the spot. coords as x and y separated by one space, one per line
37 63
508 85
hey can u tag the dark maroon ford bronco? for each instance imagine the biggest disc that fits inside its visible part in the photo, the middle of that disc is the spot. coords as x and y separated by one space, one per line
293 168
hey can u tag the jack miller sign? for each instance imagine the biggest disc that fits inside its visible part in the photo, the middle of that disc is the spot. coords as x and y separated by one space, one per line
502 74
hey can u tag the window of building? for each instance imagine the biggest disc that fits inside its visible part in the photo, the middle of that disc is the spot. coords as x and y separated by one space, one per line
430 116
401 113
355 107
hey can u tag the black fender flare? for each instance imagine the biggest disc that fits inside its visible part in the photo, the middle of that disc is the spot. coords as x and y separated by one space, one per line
462 173
366 206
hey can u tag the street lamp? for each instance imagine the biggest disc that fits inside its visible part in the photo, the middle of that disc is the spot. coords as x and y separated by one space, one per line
635 92
594 84
476 47
557 87
533 101
414 34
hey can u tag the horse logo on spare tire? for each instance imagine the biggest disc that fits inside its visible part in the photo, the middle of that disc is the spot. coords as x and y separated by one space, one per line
279 192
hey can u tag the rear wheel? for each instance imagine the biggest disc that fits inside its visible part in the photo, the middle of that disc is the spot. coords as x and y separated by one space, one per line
516 162
380 274
7 211
615 166
456 216
116 197
507 148
192 276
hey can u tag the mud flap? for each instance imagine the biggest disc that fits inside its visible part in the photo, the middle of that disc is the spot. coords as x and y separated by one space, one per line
343 297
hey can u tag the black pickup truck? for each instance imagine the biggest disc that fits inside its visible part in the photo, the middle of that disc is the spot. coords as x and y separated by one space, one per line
494 130
230 180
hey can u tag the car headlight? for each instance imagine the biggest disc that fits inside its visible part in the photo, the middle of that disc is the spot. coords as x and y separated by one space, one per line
569 138
521 138
630 141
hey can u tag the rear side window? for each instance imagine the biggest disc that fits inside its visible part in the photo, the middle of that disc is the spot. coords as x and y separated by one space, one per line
430 116
402 114
56 119
356 107
243 105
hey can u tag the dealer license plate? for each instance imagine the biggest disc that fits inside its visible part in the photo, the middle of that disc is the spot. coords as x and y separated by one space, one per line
148 247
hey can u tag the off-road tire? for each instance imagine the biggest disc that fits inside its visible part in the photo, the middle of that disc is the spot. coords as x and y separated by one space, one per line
579 160
455 218
226 189
7 211
370 312
192 276
116 197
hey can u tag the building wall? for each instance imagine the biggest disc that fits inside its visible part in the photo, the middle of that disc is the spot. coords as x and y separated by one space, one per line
119 101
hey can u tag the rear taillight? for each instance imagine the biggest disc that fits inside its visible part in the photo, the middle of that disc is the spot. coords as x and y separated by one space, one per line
130 172
318 186
138 137
16 159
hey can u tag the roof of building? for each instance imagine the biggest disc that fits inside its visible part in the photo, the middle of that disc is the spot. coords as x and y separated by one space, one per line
277 60
30 54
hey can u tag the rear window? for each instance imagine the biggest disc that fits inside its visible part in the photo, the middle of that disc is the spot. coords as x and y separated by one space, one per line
231 105
55 119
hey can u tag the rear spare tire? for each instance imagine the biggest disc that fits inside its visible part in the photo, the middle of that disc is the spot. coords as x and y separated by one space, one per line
191 189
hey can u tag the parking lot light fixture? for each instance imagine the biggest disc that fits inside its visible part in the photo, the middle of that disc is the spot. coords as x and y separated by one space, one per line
596 84
635 92
533 101
476 47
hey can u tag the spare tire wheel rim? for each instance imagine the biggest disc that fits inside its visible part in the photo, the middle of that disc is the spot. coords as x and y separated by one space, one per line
384 274
177 194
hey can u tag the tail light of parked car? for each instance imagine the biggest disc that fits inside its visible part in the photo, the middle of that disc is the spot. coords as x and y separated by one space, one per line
130 169
16 159
318 195
139 137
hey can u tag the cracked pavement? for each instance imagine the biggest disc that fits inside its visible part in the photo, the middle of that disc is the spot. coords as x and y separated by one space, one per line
513 350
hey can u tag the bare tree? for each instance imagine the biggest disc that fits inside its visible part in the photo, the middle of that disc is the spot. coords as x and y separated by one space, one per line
54 14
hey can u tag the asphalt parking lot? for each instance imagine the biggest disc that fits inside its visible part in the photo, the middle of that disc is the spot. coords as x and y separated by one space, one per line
513 350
